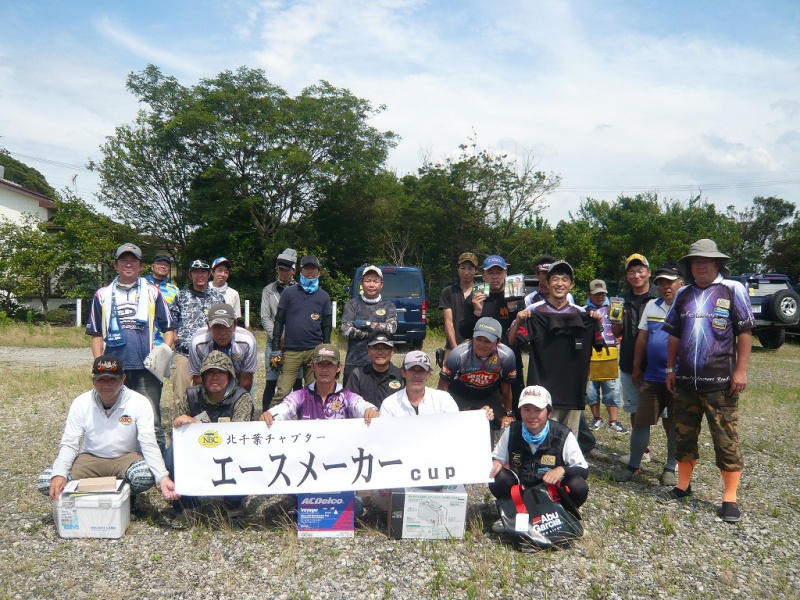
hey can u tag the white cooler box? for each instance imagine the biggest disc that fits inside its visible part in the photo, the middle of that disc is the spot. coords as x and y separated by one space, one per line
93 514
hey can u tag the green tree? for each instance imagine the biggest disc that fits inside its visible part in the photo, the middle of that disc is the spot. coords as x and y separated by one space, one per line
24 175
759 227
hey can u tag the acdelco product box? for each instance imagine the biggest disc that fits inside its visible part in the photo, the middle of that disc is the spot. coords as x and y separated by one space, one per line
325 515
93 514
430 514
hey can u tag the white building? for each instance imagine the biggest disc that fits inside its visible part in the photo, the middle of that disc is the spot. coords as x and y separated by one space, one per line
16 200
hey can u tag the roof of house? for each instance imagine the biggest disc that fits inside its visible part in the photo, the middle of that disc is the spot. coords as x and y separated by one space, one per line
44 201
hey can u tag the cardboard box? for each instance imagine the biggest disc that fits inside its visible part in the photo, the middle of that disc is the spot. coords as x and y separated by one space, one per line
93 514
325 515
428 514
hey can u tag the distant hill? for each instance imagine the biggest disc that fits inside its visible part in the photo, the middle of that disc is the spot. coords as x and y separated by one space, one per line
24 175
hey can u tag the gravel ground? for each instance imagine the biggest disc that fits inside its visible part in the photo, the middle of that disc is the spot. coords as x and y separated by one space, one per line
633 547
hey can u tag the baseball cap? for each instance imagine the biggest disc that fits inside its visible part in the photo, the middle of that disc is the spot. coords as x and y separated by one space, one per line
310 260
380 338
495 261
488 328
199 264
221 314
130 249
287 259
218 360
636 259
468 257
536 395
561 266
326 353
669 271
417 358
371 269
596 286
221 261
107 366
162 257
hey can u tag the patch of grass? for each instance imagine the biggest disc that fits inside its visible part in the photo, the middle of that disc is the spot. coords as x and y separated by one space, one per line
43 336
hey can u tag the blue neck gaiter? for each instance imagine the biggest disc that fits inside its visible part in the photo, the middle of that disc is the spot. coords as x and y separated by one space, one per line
309 285
537 439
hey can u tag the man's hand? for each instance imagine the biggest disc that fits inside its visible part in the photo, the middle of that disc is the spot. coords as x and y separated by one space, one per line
57 484
738 381
267 418
636 375
522 315
496 467
168 489
489 413
182 420
361 324
506 421
370 414
670 383
554 475
275 359
477 303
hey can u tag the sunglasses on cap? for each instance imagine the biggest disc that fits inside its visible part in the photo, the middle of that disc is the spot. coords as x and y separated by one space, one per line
199 264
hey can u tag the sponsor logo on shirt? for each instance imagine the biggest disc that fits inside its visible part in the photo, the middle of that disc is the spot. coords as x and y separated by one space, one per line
548 459
126 420
210 439
315 316
723 303
395 385
516 459
479 378
380 312
224 420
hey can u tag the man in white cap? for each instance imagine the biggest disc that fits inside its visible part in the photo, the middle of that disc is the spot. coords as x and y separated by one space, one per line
711 329
481 371
236 343
535 450
417 398
123 321
365 314
220 272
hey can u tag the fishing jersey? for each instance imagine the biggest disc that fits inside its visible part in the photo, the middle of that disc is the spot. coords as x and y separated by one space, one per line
242 351
653 323
473 377
707 321
608 335
189 310
561 348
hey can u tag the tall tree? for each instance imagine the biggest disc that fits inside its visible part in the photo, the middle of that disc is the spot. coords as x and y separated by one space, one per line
759 226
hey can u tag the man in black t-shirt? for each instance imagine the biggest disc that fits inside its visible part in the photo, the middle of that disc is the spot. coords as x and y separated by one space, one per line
379 379
453 298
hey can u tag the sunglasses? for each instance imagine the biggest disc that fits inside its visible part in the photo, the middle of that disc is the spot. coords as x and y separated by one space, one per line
200 264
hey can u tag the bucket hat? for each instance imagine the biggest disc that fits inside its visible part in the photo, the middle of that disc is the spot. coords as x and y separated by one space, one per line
704 248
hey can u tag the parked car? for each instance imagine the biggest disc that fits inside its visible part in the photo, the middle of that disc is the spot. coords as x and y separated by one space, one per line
405 287
775 305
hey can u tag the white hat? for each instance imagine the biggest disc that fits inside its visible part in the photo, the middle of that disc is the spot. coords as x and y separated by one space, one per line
536 395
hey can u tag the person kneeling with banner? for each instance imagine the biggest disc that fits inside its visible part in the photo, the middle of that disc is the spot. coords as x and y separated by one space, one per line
539 469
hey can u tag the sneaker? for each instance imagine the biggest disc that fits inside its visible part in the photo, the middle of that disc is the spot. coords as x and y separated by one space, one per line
498 527
179 521
626 458
626 475
673 495
596 424
668 478
617 427
730 512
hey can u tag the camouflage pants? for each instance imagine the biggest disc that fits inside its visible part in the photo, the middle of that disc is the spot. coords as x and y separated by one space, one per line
722 413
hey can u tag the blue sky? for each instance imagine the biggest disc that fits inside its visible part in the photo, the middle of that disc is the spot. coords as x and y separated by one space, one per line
616 97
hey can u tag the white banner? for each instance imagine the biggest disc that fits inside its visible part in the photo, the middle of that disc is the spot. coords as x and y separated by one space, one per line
221 459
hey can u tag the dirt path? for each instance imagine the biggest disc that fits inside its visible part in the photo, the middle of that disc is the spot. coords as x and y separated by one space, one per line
45 357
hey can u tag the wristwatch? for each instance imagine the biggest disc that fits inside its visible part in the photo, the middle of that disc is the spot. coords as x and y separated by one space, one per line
668 370
510 413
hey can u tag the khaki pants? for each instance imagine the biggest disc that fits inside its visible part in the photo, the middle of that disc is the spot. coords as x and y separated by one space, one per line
181 380
570 418
293 362
89 465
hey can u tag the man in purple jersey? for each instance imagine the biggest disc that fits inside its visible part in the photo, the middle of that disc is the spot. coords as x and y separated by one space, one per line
710 326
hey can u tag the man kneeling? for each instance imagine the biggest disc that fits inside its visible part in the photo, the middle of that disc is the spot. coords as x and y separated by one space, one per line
116 425
218 399
538 450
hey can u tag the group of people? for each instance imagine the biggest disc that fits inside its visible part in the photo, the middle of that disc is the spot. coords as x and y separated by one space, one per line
683 352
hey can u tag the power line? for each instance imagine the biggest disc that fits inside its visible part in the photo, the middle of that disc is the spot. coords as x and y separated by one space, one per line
48 161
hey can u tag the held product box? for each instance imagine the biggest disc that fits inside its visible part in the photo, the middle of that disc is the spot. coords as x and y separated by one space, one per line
325 515
102 514
428 513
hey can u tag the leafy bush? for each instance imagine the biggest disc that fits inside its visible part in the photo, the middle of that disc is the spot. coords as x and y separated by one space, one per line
60 316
